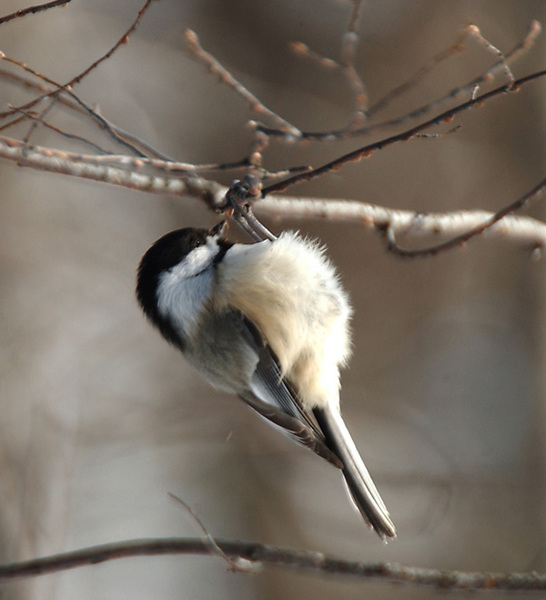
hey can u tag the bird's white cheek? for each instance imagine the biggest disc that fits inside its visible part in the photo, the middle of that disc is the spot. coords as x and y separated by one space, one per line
183 300
196 261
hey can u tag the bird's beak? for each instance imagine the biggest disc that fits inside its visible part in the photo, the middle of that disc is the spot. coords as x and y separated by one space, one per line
219 229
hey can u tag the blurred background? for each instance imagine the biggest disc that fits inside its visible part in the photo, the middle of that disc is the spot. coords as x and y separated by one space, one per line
100 418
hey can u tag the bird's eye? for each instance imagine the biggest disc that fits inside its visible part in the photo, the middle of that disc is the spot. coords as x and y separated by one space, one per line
195 239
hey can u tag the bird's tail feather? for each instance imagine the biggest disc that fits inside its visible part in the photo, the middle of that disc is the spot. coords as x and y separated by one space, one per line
360 484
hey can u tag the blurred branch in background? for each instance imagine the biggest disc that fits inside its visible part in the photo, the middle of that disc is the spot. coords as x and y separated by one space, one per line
31 10
246 557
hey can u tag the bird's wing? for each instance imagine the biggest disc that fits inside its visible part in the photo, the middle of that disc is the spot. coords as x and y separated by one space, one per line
274 398
322 429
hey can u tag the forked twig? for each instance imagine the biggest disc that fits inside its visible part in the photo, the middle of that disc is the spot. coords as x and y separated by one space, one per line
66 87
235 563
468 89
55 95
462 239
369 149
347 65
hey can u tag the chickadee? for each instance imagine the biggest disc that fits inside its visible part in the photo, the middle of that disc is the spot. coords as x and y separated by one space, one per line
268 322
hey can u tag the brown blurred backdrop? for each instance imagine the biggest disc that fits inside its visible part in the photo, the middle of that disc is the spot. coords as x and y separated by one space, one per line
100 419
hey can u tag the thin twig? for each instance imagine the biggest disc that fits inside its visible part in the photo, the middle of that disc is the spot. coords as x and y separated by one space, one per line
195 49
78 78
303 50
488 75
123 136
32 10
368 150
85 108
61 132
348 61
346 65
234 564
33 85
36 120
475 32
455 48
303 561
122 161
118 134
467 89
467 236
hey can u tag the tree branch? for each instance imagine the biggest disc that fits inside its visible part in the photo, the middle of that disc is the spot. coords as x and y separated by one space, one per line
89 167
525 230
304 561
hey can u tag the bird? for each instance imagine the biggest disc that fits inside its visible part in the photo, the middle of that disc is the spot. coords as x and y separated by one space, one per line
270 323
